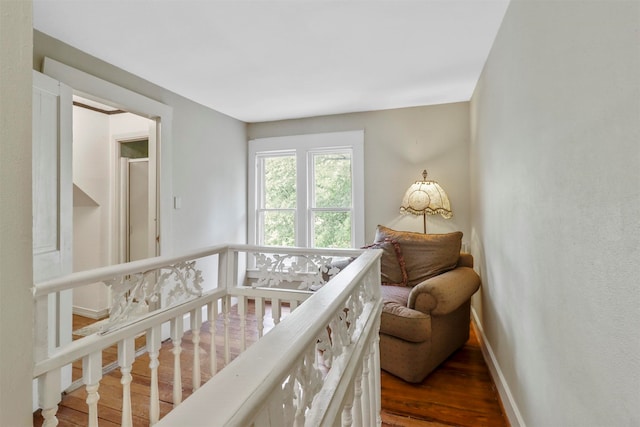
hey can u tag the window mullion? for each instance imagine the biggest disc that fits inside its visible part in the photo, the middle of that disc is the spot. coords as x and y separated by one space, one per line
302 182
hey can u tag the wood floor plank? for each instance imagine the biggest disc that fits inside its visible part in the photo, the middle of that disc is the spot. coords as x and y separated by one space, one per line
390 419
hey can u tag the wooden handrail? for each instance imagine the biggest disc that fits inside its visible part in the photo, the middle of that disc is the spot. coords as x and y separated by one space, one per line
103 273
82 278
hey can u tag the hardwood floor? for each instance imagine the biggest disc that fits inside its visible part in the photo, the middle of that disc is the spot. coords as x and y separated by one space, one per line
459 393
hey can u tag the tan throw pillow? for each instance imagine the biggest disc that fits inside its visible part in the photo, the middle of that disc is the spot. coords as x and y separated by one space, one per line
425 255
392 270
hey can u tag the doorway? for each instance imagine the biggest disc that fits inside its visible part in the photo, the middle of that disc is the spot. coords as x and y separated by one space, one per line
137 237
115 184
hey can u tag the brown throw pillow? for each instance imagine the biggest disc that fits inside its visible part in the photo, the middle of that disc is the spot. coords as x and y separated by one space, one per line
424 255
392 271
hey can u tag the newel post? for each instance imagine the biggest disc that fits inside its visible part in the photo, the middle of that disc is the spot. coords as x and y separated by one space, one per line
228 269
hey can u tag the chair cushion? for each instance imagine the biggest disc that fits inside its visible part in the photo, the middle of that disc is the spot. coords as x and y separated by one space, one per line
400 321
395 294
334 267
392 271
424 255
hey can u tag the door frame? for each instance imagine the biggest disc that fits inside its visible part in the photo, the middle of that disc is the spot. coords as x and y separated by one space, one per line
52 216
92 87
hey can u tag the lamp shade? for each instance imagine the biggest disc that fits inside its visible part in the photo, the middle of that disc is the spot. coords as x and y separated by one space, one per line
426 198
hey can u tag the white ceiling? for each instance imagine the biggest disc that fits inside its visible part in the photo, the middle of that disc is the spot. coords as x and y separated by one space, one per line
268 60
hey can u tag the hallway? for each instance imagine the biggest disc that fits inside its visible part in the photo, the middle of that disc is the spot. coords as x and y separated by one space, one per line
459 393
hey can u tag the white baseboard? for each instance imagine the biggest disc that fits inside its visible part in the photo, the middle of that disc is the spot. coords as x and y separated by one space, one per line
92 314
511 409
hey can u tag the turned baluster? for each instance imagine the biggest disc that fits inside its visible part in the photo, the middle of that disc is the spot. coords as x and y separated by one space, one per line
226 306
49 396
153 348
213 354
91 376
242 311
275 310
375 349
49 382
126 356
49 416
367 407
374 378
357 398
260 315
196 324
176 338
347 417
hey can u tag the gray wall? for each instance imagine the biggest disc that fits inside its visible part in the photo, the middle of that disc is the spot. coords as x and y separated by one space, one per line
16 304
398 145
555 155
208 156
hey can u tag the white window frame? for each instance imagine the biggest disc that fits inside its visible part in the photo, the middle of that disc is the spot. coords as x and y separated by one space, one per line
304 146
260 187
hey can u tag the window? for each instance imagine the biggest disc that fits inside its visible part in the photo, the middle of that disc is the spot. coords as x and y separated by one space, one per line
307 190
276 212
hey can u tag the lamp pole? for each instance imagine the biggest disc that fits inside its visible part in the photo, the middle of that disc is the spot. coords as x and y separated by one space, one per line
424 220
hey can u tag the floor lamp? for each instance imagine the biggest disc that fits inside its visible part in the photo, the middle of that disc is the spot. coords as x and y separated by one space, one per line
426 198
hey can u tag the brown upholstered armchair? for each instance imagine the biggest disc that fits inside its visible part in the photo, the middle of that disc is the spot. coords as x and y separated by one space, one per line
427 289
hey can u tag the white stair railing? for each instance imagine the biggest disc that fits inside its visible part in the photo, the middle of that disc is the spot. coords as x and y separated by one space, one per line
315 368
336 345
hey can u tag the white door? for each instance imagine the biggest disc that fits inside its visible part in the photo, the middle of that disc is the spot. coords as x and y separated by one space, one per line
138 215
52 208
137 197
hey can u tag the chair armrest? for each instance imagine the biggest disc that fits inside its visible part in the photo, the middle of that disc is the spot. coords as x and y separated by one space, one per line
465 260
444 293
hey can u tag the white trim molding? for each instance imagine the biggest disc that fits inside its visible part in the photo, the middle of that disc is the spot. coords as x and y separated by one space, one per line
508 402
97 89
90 313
